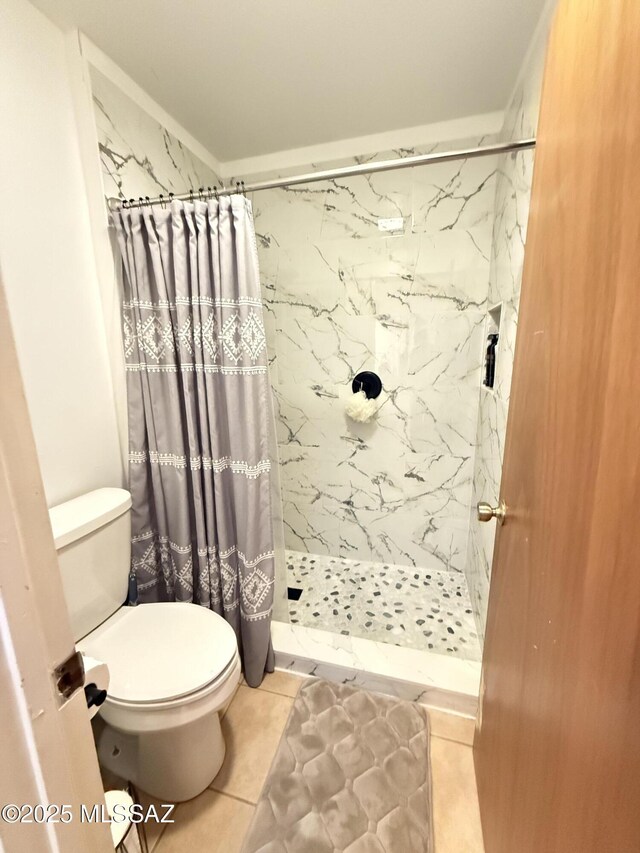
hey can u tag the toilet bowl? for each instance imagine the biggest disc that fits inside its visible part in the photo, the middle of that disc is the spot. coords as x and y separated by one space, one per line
174 667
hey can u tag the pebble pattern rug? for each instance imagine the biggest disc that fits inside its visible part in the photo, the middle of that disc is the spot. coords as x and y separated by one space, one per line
351 775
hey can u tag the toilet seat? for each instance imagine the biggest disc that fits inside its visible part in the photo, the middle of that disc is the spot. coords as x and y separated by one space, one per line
163 655
181 701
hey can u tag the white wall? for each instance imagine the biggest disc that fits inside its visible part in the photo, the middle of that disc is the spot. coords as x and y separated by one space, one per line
47 261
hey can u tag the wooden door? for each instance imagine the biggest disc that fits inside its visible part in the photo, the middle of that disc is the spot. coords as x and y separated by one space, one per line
558 745
46 744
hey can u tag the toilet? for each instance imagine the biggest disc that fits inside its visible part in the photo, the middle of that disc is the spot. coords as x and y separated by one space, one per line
174 667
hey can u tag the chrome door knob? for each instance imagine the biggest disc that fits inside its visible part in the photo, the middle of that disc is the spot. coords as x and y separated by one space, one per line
486 512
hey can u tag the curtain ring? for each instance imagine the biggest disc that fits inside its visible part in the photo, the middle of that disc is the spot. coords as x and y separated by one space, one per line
125 204
215 192
244 191
147 200
162 204
200 193
191 196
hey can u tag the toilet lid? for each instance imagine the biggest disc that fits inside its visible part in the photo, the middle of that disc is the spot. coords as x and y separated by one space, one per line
157 652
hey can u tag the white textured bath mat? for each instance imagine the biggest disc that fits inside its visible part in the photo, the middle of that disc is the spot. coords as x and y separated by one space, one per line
351 774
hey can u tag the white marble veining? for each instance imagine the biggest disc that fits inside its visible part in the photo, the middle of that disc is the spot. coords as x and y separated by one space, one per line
432 679
139 156
512 198
342 296
402 605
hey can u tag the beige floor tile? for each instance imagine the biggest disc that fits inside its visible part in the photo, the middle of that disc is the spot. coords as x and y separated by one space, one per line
153 830
284 683
452 726
211 822
456 814
252 728
224 710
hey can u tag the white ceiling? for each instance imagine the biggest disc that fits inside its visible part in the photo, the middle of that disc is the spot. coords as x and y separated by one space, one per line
249 77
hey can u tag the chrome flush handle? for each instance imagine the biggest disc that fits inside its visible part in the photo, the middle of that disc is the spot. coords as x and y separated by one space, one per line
486 512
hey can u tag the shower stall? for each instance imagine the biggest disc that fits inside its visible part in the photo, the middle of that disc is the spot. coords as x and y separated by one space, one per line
403 273
389 273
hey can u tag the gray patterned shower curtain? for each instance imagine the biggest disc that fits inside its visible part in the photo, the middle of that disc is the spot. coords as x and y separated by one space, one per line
199 406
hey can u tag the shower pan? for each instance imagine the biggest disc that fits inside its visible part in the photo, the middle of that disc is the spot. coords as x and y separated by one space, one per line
408 606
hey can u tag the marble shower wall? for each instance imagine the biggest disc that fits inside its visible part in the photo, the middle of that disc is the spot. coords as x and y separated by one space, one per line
139 156
513 193
341 297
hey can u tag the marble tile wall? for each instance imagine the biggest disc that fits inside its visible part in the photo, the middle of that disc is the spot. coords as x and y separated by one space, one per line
341 297
139 156
513 192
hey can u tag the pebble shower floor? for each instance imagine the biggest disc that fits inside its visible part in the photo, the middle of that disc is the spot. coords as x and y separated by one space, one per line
425 609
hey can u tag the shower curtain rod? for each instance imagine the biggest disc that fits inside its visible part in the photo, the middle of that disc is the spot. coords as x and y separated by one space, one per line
344 172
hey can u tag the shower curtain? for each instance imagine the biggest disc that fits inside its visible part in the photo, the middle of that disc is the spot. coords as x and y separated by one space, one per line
199 404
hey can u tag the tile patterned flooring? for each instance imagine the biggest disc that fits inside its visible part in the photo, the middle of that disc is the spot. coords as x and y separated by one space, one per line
427 609
217 820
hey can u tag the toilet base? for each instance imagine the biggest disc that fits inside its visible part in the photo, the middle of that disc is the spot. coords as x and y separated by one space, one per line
173 765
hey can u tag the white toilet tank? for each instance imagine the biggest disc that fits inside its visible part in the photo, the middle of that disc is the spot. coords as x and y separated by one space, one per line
92 534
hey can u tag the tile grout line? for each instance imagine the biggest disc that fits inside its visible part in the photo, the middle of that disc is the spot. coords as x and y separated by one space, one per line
156 843
155 848
233 797
276 693
451 740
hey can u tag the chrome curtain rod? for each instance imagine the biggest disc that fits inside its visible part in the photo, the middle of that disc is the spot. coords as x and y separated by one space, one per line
331 174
